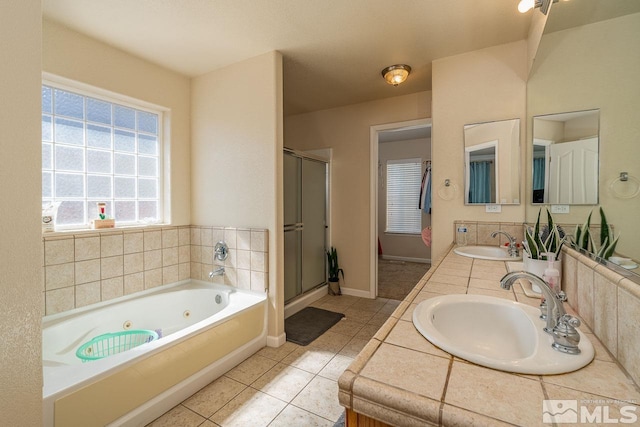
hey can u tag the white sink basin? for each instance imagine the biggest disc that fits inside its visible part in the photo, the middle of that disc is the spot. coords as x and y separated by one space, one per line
496 333
494 253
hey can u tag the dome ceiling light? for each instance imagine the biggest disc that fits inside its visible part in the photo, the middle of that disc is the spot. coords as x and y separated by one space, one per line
396 74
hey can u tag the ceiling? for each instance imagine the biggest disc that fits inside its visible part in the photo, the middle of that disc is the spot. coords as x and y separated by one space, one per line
333 50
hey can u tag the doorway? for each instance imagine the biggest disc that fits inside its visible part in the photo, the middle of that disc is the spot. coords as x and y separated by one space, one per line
400 167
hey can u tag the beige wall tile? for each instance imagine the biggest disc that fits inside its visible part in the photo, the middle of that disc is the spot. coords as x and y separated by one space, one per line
59 276
152 240
184 254
170 256
231 258
152 278
259 241
170 274
230 277
585 294
169 237
243 259
88 293
112 288
259 261
184 271
152 259
258 281
515 230
244 239
196 270
629 333
206 237
87 248
58 251
133 283
111 245
570 279
134 263
184 236
243 279
217 235
87 271
111 267
206 255
59 300
195 236
605 318
133 242
196 253
231 237
484 233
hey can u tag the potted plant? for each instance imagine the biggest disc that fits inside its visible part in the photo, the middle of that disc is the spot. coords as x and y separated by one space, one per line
541 242
584 238
334 272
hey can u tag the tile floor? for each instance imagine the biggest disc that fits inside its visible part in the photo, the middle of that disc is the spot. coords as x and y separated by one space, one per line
397 278
290 385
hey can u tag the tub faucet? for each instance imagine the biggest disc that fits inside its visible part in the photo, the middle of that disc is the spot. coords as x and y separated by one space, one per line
217 272
513 245
559 324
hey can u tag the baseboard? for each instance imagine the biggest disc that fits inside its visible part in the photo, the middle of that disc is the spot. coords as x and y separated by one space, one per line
356 292
304 300
404 258
276 341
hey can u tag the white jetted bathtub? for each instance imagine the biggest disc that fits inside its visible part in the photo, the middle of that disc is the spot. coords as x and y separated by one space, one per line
206 329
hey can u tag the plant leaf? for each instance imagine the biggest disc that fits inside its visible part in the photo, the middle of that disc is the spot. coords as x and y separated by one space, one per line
604 228
611 248
531 243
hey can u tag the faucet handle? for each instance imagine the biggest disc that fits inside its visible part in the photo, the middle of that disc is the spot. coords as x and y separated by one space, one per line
565 336
570 320
561 296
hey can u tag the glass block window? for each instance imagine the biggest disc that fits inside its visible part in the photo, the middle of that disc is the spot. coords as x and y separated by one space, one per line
95 150
404 178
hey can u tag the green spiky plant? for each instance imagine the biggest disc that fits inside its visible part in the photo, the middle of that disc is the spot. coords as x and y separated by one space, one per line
584 237
334 272
540 242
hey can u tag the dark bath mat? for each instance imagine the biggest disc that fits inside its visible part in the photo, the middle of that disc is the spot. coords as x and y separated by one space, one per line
308 324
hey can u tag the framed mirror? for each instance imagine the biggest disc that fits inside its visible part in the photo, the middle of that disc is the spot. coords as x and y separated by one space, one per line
492 160
565 160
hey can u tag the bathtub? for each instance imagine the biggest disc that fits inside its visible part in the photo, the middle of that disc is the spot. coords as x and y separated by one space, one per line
206 329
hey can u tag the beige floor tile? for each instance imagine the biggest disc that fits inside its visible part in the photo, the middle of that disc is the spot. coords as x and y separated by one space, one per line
372 304
354 313
320 397
347 327
178 416
353 347
487 395
390 306
283 381
379 319
250 408
214 396
278 353
367 332
292 416
335 367
598 377
330 341
251 369
411 370
309 359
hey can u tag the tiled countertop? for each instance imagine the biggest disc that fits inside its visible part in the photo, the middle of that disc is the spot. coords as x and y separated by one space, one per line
401 379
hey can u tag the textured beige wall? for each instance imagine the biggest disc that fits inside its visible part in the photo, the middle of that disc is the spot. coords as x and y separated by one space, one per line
479 86
236 155
347 131
596 66
20 189
75 56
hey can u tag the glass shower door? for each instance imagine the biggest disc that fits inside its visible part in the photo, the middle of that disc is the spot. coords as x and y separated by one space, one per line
293 226
314 191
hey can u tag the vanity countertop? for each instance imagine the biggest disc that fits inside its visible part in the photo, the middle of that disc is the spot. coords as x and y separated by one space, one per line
401 379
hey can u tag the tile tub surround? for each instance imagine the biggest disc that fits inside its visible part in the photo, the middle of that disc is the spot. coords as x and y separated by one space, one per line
89 267
401 379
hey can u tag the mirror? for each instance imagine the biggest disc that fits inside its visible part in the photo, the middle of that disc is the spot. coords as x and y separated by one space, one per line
588 59
565 158
491 153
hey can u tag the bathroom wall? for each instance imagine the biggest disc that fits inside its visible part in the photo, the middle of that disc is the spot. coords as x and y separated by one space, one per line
89 267
75 56
20 189
236 157
347 131
479 86
409 246
595 66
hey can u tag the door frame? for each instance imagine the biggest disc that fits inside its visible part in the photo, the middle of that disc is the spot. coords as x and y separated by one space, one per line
373 193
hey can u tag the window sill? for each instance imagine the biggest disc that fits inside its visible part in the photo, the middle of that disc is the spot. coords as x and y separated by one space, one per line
387 233
89 231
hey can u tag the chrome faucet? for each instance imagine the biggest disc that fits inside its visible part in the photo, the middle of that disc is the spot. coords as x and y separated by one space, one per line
217 272
513 245
559 324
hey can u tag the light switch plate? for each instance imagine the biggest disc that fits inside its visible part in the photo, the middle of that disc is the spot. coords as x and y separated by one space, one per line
560 209
493 208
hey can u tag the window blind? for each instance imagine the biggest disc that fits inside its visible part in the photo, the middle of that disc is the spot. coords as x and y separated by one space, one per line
403 191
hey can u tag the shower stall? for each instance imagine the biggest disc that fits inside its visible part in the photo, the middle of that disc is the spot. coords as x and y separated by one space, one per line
305 223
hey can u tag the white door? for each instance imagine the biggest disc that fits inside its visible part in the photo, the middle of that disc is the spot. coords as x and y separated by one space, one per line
574 172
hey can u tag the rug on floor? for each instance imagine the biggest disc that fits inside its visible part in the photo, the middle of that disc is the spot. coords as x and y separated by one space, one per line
308 324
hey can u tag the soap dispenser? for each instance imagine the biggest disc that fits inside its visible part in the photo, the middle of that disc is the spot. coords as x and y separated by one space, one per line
551 274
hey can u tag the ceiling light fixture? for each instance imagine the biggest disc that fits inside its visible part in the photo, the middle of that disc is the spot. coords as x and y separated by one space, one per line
396 74
526 5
